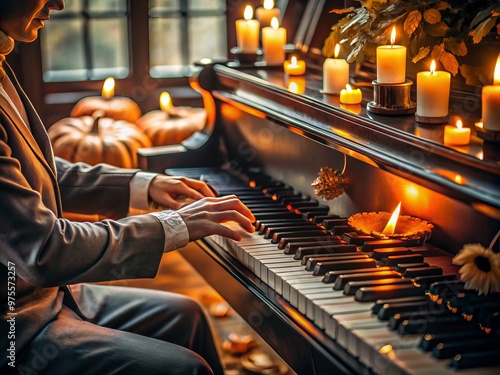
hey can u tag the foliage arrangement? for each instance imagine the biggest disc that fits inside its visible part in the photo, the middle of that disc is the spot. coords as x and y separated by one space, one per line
431 28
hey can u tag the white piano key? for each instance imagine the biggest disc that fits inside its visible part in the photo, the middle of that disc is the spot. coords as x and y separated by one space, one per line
330 312
316 301
306 295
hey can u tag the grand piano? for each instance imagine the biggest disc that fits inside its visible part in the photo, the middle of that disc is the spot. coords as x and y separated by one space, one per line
327 299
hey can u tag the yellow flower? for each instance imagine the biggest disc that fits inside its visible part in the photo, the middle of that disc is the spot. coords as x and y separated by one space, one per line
480 268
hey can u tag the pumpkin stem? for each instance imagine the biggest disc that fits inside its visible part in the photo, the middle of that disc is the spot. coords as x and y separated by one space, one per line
97 115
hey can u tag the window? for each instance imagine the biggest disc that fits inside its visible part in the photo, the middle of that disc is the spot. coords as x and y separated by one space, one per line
94 39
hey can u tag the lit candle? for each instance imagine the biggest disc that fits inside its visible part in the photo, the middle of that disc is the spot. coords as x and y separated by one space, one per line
294 67
335 73
297 85
433 92
350 96
491 102
108 88
266 13
273 43
166 104
391 62
456 135
247 32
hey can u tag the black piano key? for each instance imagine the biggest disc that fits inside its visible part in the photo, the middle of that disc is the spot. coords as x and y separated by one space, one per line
371 294
321 238
454 286
319 219
450 349
293 247
322 250
489 318
470 298
330 223
305 211
277 189
381 302
426 281
420 316
391 308
292 199
262 216
304 226
310 261
430 340
342 280
269 210
487 358
384 252
332 276
371 245
393 260
423 271
428 251
323 267
436 324
262 225
402 267
302 204
352 287
301 233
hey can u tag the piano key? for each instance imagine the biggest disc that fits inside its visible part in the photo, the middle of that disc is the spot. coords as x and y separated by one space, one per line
277 237
322 250
393 260
430 340
323 267
384 252
436 324
331 276
310 261
270 231
319 219
261 226
342 280
331 223
402 267
490 357
341 230
381 302
293 246
426 281
308 211
318 238
276 215
453 348
369 246
422 271
352 287
390 309
434 313
368 294
302 204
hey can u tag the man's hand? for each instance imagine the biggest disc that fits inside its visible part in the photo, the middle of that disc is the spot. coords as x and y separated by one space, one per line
175 192
204 217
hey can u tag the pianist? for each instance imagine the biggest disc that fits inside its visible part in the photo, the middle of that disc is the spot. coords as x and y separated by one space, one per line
53 324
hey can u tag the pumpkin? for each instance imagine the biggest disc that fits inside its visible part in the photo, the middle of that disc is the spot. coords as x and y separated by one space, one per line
171 125
115 107
95 139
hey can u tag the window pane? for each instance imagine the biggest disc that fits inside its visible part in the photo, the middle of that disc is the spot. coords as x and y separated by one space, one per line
165 42
207 4
107 5
70 6
110 52
207 38
170 4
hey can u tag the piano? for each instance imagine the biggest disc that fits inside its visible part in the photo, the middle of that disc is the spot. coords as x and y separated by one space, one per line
328 300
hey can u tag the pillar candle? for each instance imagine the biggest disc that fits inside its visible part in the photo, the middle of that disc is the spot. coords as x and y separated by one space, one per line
273 43
433 92
335 74
266 13
491 102
247 32
456 135
391 62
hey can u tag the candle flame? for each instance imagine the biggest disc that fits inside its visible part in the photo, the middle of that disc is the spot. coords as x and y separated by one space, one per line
108 88
393 36
458 179
248 13
433 66
459 124
496 75
348 87
165 102
293 61
337 50
268 4
274 23
391 225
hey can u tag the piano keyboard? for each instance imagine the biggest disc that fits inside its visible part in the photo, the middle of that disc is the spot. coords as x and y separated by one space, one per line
397 306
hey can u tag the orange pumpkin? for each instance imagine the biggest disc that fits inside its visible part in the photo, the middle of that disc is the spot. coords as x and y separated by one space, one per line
97 140
115 107
171 125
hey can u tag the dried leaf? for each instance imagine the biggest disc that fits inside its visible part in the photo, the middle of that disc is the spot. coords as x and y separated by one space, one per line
483 29
423 52
455 46
412 22
438 29
481 16
343 10
443 5
449 62
437 51
432 16
469 74
495 13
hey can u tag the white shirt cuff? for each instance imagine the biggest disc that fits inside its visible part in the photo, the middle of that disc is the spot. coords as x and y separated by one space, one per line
176 231
139 187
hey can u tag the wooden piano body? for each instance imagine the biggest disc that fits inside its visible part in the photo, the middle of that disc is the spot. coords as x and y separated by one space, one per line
258 124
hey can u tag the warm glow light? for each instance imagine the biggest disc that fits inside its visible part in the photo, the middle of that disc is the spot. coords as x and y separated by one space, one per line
275 24
348 88
292 87
479 124
386 349
391 225
337 50
108 88
293 61
433 67
496 74
165 102
268 4
411 191
459 124
393 36
458 179
248 13
252 184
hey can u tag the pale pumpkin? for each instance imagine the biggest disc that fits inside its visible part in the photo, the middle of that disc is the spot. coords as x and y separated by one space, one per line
172 128
95 140
116 107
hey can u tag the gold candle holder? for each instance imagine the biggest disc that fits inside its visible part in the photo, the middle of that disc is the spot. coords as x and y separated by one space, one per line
392 99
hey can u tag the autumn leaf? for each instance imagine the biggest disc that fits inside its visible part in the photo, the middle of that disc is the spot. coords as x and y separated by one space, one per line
483 29
343 10
412 21
455 46
469 74
423 52
443 5
432 16
449 62
438 30
437 51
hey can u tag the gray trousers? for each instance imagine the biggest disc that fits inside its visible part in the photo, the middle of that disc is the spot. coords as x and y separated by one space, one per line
125 331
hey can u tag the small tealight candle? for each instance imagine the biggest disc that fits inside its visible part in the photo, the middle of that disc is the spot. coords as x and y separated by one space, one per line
491 102
456 135
266 13
247 32
294 67
335 73
350 95
433 92
391 62
273 43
